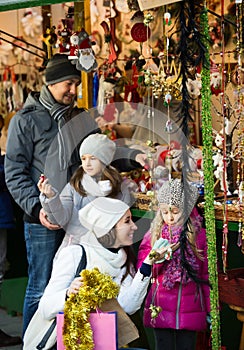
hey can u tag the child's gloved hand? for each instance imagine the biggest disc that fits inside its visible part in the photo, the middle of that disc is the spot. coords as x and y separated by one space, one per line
158 249
160 243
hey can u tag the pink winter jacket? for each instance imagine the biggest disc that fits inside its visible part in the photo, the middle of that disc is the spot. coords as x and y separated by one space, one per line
185 306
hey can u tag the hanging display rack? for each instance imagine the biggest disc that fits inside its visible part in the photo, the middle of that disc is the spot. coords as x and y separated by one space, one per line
23 41
6 5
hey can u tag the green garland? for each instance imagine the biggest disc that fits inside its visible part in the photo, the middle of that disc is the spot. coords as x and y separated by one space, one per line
96 288
209 188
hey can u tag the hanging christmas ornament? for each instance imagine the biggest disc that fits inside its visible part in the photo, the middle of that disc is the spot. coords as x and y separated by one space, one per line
140 33
94 13
96 39
169 126
64 40
133 5
167 98
31 23
194 85
107 10
19 52
74 42
148 19
50 39
110 39
215 79
81 52
131 94
5 50
146 5
122 6
167 18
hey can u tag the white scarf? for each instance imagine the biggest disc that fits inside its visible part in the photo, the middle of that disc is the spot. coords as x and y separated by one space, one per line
94 188
98 256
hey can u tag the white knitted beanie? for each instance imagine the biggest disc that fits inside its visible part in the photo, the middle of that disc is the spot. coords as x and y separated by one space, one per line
99 146
102 214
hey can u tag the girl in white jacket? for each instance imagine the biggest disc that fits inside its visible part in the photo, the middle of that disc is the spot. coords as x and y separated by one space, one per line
107 247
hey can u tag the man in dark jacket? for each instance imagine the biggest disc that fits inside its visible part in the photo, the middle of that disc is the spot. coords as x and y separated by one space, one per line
43 138
6 222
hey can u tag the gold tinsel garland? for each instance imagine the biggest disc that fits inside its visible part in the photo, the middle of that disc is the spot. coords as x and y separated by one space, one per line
96 288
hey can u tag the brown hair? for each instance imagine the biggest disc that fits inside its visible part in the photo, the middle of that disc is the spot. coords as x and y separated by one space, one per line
156 232
108 240
108 173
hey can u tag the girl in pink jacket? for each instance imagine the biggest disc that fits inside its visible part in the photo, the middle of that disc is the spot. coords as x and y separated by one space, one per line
178 300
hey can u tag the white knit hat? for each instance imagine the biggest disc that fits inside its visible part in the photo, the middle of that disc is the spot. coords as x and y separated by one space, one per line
99 146
102 214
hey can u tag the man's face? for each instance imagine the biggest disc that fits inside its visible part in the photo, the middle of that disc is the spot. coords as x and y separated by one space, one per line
65 91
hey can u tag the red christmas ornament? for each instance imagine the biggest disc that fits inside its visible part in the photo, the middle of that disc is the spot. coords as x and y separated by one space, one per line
175 145
110 113
140 32
162 157
199 164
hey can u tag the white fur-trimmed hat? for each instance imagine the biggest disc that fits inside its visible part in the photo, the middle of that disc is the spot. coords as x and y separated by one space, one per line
102 214
180 194
100 146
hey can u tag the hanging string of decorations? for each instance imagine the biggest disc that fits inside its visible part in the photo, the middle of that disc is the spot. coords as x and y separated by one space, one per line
240 123
224 142
209 185
230 208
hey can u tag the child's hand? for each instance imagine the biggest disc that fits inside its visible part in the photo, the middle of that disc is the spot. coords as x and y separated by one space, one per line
45 222
45 187
75 286
158 250
162 251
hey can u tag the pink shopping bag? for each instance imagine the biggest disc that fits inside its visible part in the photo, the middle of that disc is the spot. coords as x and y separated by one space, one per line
104 327
60 324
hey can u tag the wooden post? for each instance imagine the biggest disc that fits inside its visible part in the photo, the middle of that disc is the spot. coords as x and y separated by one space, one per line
46 24
82 20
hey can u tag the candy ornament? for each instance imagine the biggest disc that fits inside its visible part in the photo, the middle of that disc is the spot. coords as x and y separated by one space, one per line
168 98
155 311
167 18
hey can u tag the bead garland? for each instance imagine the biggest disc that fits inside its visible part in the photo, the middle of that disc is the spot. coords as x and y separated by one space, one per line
240 124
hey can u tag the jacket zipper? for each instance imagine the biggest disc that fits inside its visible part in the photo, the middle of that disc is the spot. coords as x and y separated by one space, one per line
201 297
178 306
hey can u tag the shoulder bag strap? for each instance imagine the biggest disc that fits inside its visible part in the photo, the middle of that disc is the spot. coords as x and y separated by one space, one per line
47 335
80 267
82 263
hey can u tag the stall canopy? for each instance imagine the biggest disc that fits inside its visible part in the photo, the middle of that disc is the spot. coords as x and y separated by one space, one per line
6 5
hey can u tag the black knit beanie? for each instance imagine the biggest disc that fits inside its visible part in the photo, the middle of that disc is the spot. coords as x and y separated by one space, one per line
59 68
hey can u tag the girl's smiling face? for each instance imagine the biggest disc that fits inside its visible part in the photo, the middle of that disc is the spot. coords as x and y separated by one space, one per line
171 214
125 229
92 165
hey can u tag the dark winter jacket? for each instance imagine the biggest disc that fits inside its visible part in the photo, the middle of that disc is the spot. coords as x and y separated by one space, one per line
6 205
